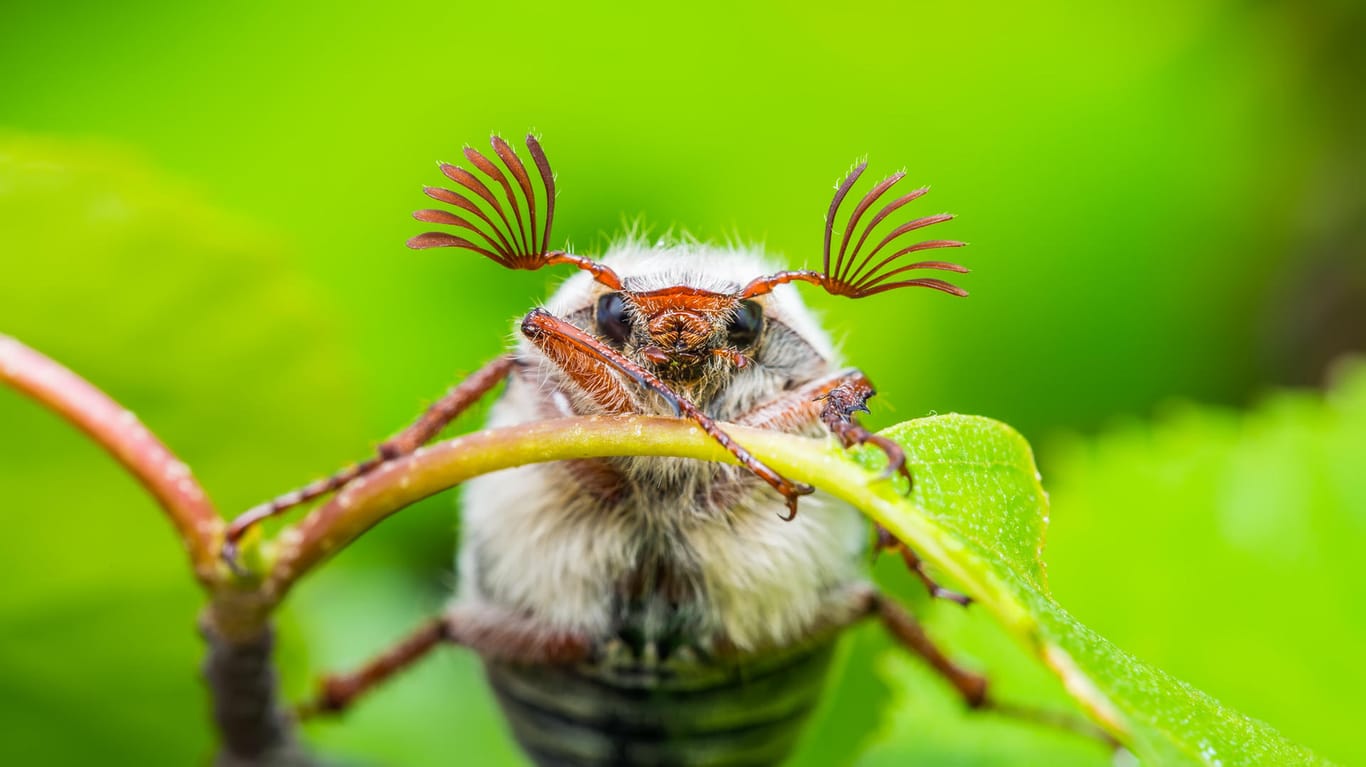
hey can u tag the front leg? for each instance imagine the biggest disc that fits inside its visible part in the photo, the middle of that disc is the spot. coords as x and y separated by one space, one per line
593 366
850 397
832 401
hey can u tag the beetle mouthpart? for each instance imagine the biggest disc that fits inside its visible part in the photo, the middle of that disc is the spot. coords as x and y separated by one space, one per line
734 356
655 354
679 331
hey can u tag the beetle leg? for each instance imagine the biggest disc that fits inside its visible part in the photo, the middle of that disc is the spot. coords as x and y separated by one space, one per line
492 633
971 687
905 630
832 400
593 374
336 692
441 413
577 352
888 542
797 411
850 397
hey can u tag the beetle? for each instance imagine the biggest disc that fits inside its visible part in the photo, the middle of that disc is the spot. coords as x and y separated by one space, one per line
654 610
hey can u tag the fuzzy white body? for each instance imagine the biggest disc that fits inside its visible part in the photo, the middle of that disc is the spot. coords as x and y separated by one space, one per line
677 544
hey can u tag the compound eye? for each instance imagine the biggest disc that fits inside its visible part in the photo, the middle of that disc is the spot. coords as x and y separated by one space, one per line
746 325
613 323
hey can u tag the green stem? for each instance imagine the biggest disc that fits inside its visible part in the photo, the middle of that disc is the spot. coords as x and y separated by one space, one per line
239 609
367 502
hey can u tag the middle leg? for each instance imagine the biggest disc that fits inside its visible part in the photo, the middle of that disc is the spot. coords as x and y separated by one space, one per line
888 542
588 361
445 410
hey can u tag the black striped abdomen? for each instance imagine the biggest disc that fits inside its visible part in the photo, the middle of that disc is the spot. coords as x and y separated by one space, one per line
664 715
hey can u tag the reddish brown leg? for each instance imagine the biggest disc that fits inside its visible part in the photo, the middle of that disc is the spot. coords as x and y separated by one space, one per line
888 542
796 411
850 397
445 410
336 692
970 686
580 354
493 633
833 400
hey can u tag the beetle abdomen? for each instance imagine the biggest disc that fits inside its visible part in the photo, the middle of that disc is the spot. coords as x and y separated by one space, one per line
665 714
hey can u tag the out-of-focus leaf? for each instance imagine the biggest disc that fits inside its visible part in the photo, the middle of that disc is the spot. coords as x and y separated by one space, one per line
1224 546
196 321
926 724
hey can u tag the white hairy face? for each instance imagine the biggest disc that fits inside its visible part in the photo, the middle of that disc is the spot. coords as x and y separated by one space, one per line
549 542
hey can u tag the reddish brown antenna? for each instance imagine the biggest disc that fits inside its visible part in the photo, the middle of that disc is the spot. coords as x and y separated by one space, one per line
844 273
501 230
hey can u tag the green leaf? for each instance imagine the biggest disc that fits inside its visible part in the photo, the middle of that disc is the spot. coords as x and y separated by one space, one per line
980 513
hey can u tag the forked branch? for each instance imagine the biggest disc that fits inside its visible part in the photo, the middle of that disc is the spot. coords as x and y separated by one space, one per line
122 435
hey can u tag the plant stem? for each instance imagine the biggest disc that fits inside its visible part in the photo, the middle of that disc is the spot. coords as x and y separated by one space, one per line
255 729
119 432
236 622
365 503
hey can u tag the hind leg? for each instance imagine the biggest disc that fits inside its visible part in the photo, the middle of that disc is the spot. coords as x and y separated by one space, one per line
492 633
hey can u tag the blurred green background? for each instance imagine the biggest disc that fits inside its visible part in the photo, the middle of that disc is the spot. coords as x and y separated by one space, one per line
202 210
